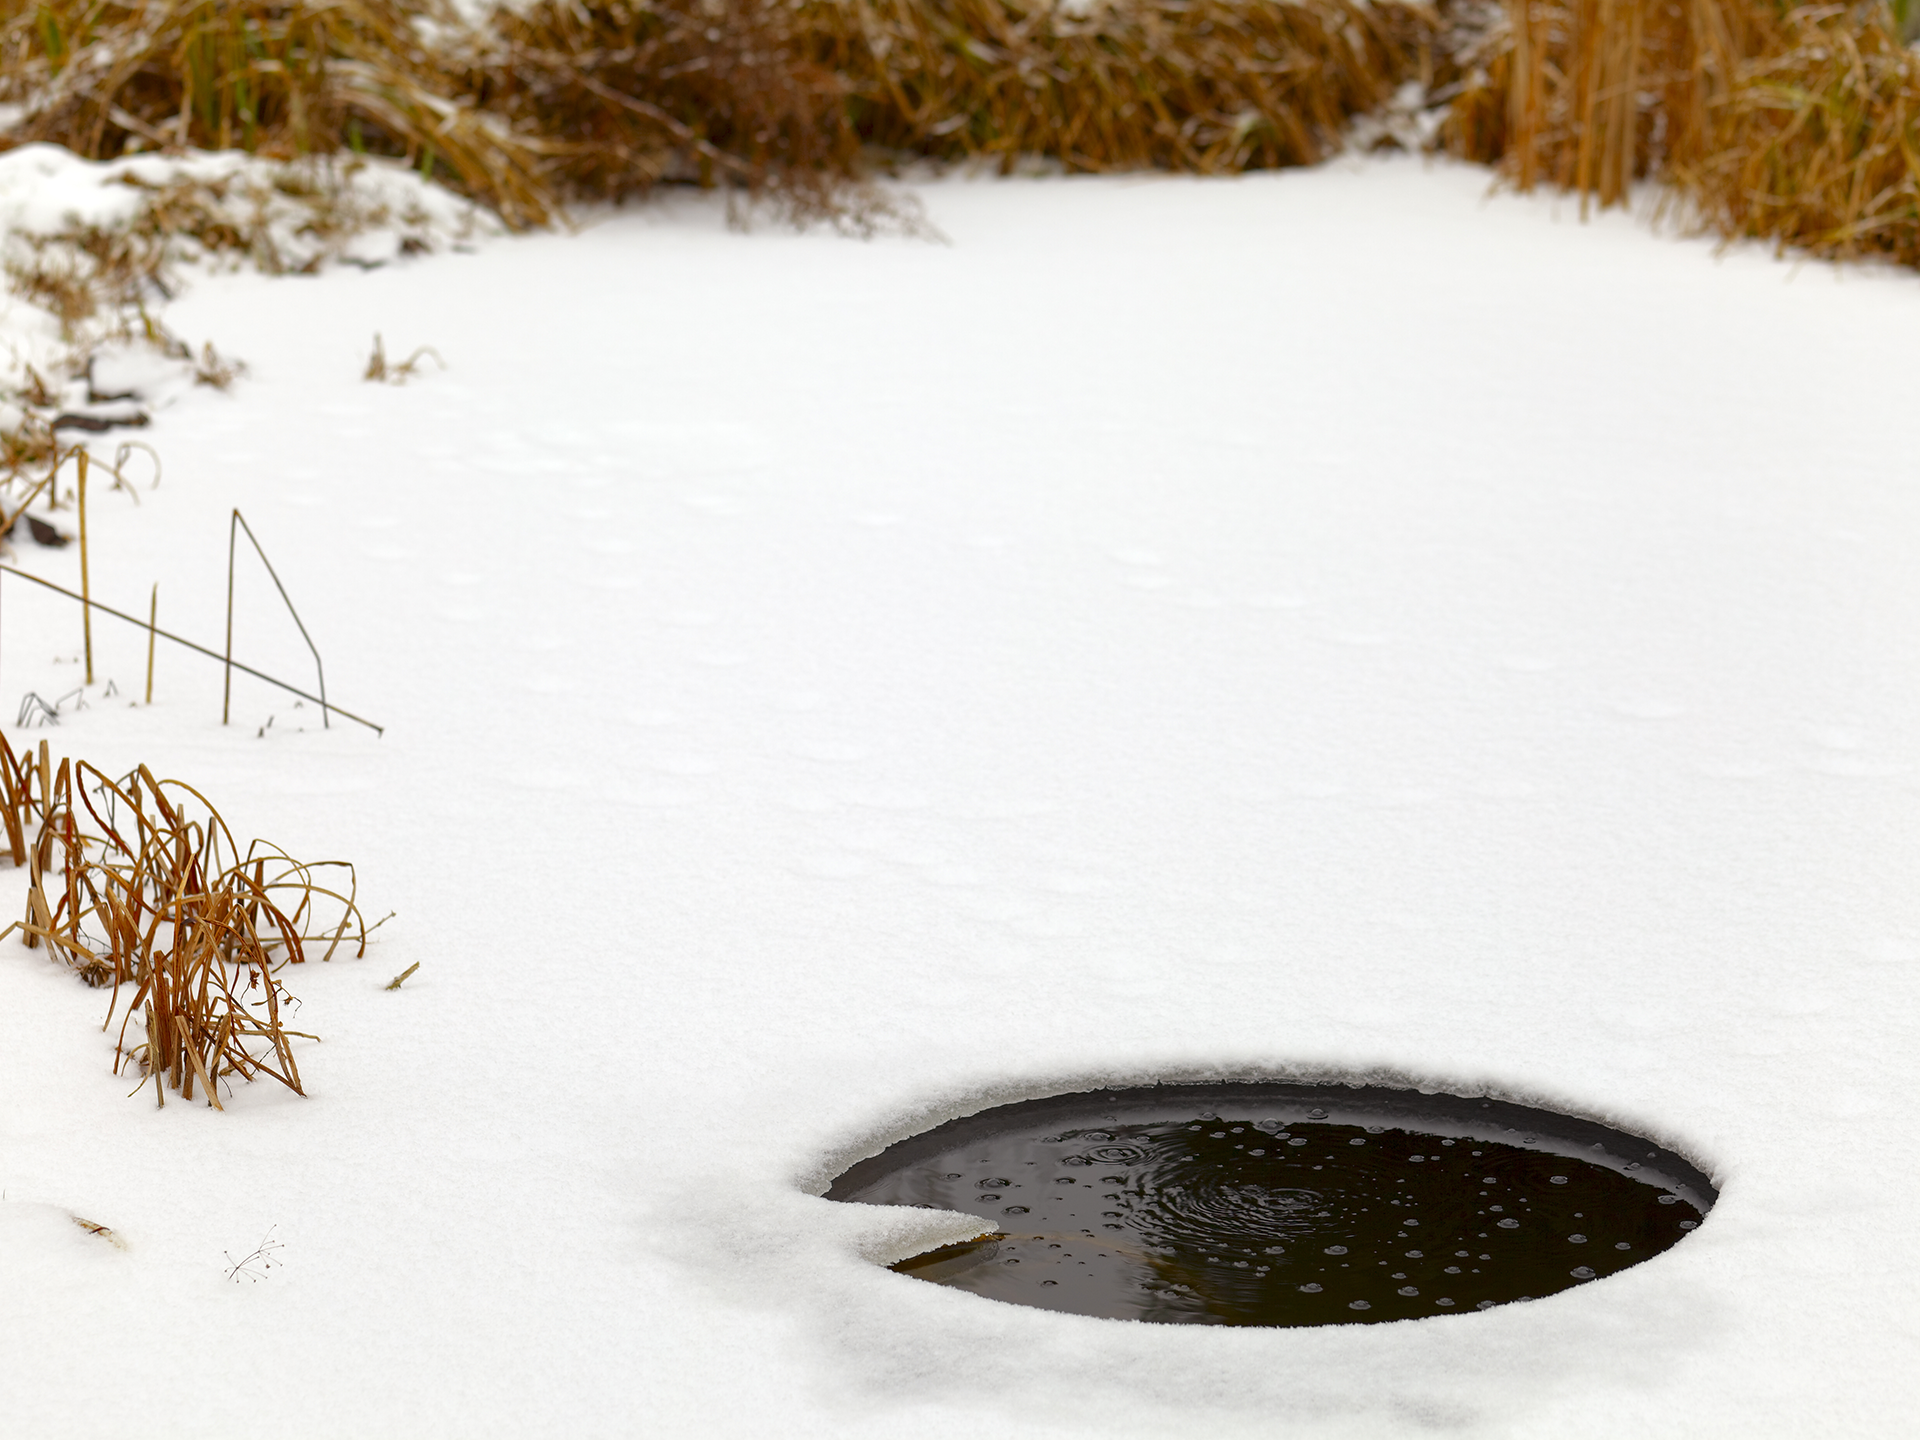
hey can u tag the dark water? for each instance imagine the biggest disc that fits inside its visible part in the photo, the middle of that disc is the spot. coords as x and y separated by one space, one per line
1283 1205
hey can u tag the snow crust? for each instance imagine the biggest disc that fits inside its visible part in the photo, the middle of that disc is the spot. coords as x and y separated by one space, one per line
1332 623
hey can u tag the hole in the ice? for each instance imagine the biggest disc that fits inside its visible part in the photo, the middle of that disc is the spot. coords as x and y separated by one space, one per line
1192 1227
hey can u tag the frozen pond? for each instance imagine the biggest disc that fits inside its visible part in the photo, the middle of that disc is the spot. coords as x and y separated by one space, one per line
1328 623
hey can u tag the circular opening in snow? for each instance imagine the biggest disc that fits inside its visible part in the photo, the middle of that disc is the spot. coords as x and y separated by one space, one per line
1276 1204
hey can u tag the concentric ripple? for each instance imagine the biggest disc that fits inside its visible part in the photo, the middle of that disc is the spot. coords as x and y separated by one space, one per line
1283 1205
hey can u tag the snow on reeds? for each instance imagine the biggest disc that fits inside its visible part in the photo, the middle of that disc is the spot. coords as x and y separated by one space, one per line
104 77
139 883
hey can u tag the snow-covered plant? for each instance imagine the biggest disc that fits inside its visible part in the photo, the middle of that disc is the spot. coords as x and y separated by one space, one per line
91 252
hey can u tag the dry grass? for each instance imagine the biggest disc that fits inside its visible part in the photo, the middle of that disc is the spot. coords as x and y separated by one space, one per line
805 96
625 96
604 100
1193 85
1817 145
1796 125
382 371
313 77
139 882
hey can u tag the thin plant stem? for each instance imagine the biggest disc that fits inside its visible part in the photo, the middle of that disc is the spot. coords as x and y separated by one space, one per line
226 694
86 589
241 521
153 623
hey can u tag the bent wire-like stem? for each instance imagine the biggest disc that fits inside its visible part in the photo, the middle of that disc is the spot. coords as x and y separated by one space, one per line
200 649
234 526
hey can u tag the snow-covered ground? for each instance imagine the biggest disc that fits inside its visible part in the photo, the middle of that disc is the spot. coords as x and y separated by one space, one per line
1328 622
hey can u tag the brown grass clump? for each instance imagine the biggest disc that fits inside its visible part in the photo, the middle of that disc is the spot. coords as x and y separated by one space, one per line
1790 124
382 371
627 95
139 882
1207 86
805 96
599 100
1817 145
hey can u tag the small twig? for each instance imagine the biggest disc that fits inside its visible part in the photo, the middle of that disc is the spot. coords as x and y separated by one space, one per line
401 978
261 1257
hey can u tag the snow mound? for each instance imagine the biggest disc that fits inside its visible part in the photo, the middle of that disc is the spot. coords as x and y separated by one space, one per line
92 251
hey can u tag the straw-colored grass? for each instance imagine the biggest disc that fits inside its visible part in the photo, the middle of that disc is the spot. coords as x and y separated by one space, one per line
1195 85
138 883
1818 145
311 77
1796 124
1799 125
800 97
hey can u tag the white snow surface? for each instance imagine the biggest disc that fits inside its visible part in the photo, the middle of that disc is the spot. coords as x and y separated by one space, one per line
1328 623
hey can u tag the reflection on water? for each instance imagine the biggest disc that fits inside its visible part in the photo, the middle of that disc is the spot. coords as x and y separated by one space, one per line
1254 1220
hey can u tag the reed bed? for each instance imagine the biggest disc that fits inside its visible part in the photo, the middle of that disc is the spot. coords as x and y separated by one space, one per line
562 99
622 97
1793 124
312 77
1817 145
138 886
1207 86
1765 119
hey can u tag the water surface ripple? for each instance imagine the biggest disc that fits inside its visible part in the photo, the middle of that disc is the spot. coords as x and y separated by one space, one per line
1283 1204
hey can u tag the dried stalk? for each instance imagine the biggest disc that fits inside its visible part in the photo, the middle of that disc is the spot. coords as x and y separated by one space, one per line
1795 124
139 883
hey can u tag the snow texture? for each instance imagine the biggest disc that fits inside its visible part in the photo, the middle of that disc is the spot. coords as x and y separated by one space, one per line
1328 623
